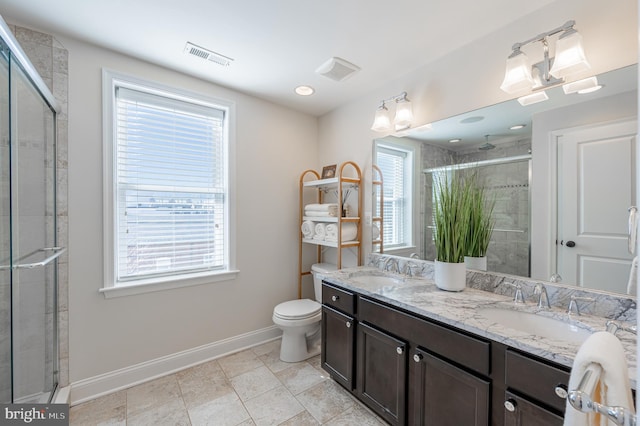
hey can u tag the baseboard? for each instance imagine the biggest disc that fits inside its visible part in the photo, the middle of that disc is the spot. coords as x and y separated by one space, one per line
103 384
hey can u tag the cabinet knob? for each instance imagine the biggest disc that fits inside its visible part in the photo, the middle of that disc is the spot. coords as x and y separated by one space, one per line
335 298
510 405
400 350
561 391
348 324
417 357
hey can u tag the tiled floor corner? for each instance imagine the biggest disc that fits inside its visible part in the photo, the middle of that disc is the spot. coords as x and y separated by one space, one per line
252 387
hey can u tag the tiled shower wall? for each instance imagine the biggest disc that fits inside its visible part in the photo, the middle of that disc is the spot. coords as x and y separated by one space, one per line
50 59
509 248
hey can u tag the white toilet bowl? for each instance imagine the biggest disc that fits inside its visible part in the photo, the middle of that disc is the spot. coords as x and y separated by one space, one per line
300 320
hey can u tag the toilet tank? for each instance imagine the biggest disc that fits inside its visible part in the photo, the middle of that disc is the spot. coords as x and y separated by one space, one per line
317 282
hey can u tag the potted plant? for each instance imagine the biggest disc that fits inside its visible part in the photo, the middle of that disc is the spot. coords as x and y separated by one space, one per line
451 219
481 224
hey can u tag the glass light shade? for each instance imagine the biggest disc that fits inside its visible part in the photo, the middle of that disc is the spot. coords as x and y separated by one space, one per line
517 76
570 57
404 115
381 121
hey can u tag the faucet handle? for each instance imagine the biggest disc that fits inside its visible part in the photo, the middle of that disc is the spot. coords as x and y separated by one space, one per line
518 297
573 303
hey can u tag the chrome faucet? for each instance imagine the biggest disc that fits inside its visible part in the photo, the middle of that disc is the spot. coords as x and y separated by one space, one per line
391 265
573 304
408 268
543 297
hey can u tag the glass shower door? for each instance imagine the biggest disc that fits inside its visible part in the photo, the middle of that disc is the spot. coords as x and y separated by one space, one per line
5 232
28 223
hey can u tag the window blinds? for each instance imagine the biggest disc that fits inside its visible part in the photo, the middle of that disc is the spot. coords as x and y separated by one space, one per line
392 164
170 184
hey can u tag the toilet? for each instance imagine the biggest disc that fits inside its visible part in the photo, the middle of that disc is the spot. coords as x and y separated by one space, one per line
299 321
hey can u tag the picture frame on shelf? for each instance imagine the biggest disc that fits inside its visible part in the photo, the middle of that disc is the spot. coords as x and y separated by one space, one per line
329 172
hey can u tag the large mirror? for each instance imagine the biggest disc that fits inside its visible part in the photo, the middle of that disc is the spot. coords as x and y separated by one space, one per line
562 173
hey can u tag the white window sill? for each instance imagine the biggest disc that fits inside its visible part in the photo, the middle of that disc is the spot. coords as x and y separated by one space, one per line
166 283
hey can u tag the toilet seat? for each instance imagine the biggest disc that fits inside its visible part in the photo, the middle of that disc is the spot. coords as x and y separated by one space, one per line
297 310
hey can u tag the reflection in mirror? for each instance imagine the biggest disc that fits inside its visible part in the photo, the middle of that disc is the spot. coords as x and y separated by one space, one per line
521 154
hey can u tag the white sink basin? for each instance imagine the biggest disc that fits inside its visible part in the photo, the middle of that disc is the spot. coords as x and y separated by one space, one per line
376 281
538 325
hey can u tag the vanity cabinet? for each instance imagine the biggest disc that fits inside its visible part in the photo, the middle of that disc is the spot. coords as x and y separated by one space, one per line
381 373
415 371
536 390
338 335
443 394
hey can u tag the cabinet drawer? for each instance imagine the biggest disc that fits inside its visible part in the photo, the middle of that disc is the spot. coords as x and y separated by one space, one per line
536 379
468 351
338 298
523 412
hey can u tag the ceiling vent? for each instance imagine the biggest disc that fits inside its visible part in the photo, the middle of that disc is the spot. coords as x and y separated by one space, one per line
337 69
209 55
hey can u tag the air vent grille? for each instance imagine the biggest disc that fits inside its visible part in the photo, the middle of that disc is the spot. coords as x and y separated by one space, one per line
337 69
209 55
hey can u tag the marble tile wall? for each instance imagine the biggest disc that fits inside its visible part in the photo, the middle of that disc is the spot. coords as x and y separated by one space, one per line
603 304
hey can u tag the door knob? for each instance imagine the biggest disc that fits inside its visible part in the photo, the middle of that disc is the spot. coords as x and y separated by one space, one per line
348 324
400 350
570 244
335 298
510 405
417 357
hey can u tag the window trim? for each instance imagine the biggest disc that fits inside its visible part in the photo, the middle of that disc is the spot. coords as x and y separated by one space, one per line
111 79
413 177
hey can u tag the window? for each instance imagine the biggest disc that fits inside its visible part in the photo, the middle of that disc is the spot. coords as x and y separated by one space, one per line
395 163
167 185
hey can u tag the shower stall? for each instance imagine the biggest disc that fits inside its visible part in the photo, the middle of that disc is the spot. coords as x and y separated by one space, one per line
28 243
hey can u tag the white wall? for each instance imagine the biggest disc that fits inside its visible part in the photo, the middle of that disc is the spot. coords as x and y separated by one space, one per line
470 77
273 145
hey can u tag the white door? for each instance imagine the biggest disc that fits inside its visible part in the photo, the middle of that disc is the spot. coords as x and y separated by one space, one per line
596 186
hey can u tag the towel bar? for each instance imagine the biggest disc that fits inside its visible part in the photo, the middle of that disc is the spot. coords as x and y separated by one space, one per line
580 399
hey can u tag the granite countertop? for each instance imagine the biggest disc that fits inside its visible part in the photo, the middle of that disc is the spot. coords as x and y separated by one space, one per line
463 310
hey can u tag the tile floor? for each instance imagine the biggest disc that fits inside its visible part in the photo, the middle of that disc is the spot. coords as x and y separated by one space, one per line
252 387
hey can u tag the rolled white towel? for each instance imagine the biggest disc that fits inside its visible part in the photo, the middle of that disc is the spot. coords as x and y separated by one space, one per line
320 231
308 228
313 213
349 232
375 232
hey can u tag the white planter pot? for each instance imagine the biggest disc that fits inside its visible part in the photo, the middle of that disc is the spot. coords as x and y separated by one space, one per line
478 263
450 276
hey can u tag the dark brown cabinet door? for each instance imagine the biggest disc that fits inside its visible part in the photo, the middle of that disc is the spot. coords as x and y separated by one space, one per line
444 395
382 372
338 339
520 412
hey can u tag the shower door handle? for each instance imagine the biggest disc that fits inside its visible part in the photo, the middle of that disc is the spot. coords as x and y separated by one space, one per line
57 251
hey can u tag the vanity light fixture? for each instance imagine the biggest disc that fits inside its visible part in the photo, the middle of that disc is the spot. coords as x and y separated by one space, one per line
570 59
402 119
581 87
533 98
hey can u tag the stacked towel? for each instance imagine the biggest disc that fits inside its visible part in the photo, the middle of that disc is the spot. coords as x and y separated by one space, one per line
613 388
320 231
308 229
349 232
321 210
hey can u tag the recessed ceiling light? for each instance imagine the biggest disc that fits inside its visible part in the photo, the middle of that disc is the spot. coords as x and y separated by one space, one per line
455 140
305 90
518 127
473 119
